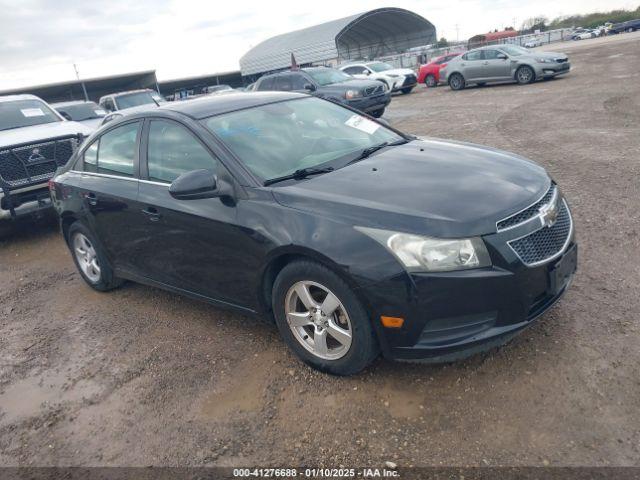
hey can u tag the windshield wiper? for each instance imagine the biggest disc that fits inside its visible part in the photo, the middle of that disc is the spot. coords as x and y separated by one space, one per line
374 148
299 174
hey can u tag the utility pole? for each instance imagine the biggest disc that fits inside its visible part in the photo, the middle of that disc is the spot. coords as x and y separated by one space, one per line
84 89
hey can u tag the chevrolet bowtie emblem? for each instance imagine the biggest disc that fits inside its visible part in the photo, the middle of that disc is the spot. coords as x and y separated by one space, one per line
549 214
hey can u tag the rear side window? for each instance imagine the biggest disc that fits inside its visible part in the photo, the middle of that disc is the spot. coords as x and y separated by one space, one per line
474 55
266 84
117 150
173 150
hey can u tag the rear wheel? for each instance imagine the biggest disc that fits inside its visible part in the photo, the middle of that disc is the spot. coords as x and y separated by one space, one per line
90 259
377 113
430 81
322 320
525 74
456 81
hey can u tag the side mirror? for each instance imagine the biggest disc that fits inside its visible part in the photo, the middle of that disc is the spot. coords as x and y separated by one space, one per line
502 56
366 72
196 184
310 87
65 115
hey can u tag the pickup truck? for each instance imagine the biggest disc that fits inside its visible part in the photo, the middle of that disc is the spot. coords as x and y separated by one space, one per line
34 141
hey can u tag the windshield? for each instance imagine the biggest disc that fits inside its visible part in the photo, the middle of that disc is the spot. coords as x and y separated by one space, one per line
380 66
25 113
82 111
326 76
136 99
514 51
278 139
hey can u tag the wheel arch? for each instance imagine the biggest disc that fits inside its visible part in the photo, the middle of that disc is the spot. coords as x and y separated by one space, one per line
66 220
515 72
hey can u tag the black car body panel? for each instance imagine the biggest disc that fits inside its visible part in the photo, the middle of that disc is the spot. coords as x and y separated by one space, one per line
227 250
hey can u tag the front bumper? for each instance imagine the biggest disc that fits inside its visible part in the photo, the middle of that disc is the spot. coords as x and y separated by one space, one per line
551 69
452 315
24 202
370 104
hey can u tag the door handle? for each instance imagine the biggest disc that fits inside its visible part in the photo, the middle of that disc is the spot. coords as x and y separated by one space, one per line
92 199
152 214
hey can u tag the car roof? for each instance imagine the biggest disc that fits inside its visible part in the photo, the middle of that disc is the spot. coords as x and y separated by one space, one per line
72 102
209 106
23 96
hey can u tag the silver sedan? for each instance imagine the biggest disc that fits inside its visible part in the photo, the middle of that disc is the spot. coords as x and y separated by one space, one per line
503 63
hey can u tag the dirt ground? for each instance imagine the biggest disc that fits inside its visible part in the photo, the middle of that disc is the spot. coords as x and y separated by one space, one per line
143 377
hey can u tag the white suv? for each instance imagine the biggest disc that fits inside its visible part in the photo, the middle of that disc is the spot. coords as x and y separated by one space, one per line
396 79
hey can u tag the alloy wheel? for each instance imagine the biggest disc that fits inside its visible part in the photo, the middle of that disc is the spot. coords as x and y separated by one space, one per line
524 75
318 320
87 257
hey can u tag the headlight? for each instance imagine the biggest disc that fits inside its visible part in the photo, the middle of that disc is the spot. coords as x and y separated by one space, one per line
352 94
543 60
427 254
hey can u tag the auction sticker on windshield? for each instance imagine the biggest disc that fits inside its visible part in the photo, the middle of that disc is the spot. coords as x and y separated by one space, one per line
32 112
363 124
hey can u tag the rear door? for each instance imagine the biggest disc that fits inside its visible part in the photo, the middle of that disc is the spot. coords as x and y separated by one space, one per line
190 244
472 65
109 191
496 68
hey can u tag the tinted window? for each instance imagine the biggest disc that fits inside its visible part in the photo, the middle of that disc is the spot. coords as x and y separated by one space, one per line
491 54
91 158
24 113
283 82
117 150
298 81
173 150
473 55
266 83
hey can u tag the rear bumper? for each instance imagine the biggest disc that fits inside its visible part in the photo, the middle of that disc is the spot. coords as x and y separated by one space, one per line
450 316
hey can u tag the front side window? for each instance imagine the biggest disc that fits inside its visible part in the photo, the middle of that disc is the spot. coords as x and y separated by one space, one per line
491 54
327 76
117 150
173 150
283 82
279 138
266 84
25 113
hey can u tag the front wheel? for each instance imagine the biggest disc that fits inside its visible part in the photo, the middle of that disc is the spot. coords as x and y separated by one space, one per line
456 81
90 259
377 113
321 319
430 81
406 90
525 75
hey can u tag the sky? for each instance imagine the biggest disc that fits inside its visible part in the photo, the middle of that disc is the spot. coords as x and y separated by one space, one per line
41 40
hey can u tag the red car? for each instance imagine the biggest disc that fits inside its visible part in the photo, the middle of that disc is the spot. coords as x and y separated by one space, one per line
429 74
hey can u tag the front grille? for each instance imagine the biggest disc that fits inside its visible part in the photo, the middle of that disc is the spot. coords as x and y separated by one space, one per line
528 213
562 60
546 243
376 90
24 165
410 80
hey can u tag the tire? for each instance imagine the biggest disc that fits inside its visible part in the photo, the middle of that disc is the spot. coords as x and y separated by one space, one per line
456 81
377 113
347 356
525 75
430 81
406 91
85 250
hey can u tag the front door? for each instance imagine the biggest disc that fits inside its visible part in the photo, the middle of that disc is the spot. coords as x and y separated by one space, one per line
191 244
495 67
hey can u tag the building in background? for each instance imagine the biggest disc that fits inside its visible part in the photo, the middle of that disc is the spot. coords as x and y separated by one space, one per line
186 87
95 87
491 38
368 35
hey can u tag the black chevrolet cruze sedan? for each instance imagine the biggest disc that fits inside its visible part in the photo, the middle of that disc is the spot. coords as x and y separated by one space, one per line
358 239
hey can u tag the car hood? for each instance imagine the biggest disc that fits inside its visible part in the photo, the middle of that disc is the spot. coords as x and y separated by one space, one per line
41 133
430 186
399 71
551 55
354 83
